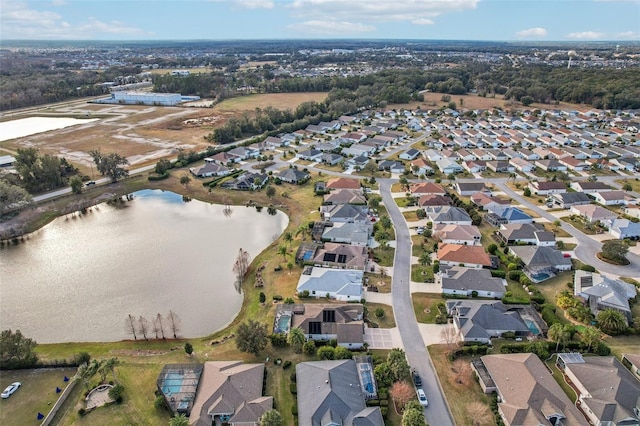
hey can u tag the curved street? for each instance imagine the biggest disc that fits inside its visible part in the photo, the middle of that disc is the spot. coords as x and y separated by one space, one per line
437 413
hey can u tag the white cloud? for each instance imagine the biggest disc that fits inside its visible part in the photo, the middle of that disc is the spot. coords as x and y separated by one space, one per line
419 12
255 4
586 35
59 2
19 21
532 32
316 27
629 35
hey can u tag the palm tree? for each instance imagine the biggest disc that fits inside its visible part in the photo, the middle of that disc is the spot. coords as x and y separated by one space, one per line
611 321
590 336
87 371
425 258
288 237
282 251
556 333
179 420
297 338
111 365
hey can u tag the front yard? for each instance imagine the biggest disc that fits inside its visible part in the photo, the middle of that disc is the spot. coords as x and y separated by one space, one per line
426 308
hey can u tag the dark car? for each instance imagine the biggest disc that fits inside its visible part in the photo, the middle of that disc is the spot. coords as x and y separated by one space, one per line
416 378
90 183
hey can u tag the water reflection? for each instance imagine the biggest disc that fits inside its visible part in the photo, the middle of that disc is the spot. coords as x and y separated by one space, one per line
78 278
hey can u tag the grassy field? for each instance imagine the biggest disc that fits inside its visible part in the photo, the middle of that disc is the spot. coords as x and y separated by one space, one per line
421 274
468 404
275 100
36 395
425 306
635 183
387 321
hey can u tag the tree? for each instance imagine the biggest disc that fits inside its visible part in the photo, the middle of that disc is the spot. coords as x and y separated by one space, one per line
143 327
556 224
86 372
271 418
526 100
271 192
590 336
615 250
287 237
130 326
627 187
282 251
413 415
296 338
402 392
492 248
12 197
163 166
398 364
111 365
342 353
326 353
309 348
526 192
241 266
404 184
449 336
179 420
188 348
110 164
158 324
16 350
251 337
174 323
425 258
184 180
383 374
385 222
76 184
611 321
557 334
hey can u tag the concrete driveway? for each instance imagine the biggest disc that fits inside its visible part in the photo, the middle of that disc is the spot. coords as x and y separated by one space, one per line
382 338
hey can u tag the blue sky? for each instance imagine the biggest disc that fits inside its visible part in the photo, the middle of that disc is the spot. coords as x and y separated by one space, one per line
530 20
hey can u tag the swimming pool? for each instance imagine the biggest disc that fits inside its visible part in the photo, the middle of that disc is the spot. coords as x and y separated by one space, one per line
532 327
283 323
172 383
541 276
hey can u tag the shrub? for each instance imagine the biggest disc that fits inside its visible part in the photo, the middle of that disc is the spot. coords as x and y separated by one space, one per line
474 294
82 412
278 340
498 273
326 353
492 249
277 298
292 376
286 364
262 297
587 268
156 177
379 312
373 403
508 335
514 275
293 388
160 403
309 348
116 393
294 409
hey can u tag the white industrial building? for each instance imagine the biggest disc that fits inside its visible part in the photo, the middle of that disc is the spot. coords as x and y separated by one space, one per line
146 98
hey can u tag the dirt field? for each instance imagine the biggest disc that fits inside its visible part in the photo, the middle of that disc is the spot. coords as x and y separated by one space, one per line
143 134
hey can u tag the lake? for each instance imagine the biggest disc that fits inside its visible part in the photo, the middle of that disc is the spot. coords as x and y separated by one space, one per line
33 125
79 277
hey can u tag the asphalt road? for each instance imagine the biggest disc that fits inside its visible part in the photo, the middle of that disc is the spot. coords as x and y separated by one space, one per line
437 413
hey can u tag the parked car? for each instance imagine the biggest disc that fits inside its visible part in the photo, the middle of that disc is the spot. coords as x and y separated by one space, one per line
91 182
416 378
422 397
10 389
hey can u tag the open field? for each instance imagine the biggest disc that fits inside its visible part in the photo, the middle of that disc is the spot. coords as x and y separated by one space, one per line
275 100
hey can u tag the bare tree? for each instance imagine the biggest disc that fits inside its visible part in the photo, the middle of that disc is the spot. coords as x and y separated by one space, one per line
143 327
130 326
402 392
240 268
174 323
158 325
449 336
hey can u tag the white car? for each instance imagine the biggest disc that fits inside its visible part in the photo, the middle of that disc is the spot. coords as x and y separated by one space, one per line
422 397
10 389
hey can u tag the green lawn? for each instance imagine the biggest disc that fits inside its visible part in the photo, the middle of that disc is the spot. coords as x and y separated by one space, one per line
387 321
421 273
580 225
559 378
425 306
635 183
36 395
384 255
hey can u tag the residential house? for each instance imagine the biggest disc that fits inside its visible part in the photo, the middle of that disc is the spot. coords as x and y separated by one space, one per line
547 187
210 169
522 165
347 233
507 215
358 162
448 166
541 262
552 165
230 392
433 155
525 233
469 188
331 159
449 215
427 188
471 283
242 153
331 393
602 292
632 362
489 203
343 183
631 211
433 200
461 255
321 322
410 154
247 182
345 213
310 154
527 392
589 187
610 198
500 166
480 321
345 196
481 155
272 142
574 164
592 213
357 150
292 175
457 234
420 167
391 166
622 228
339 284
345 256
567 200
609 394
223 158
475 166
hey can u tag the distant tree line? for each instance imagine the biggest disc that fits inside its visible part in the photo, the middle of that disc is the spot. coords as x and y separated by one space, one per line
40 172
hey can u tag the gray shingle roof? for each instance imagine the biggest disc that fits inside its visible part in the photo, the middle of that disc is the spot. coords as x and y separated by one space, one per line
469 279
